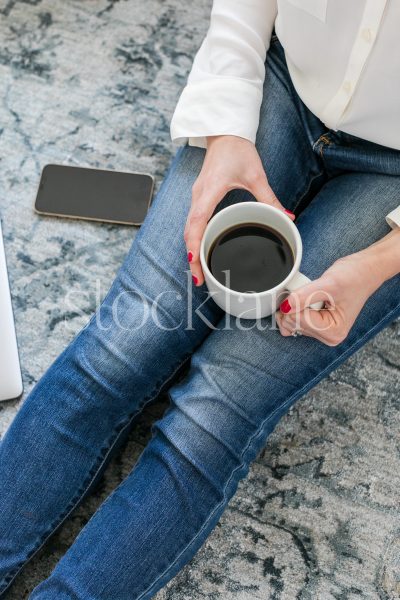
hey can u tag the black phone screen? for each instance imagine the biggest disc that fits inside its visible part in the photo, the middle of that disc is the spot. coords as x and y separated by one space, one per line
94 194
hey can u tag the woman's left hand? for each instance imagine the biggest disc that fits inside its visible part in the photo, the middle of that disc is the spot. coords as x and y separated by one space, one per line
344 287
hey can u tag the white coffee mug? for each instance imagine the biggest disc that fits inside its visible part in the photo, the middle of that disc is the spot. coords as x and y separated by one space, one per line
258 304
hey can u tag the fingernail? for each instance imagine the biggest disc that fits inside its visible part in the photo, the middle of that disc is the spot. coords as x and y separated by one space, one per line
288 212
285 306
195 279
190 256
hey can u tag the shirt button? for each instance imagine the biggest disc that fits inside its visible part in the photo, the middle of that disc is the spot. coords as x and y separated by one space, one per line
347 87
367 35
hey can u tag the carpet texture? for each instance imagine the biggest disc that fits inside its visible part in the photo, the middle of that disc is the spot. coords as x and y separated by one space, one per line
94 83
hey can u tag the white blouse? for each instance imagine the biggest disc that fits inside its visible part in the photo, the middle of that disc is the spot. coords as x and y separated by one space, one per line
343 57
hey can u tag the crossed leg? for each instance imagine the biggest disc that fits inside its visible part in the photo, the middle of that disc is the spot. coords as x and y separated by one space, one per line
72 420
239 385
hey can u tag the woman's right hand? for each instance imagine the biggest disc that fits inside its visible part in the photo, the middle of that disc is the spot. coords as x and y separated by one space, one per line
230 162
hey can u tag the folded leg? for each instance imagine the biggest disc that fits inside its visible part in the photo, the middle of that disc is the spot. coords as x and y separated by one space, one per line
239 385
71 422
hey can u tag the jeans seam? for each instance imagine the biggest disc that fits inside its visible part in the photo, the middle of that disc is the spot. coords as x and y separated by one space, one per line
306 191
293 397
82 490
293 94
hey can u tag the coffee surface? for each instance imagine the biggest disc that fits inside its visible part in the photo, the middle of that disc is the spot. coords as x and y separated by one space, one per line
256 258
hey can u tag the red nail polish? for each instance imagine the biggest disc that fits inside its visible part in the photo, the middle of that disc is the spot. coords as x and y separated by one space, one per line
285 306
288 212
195 279
190 256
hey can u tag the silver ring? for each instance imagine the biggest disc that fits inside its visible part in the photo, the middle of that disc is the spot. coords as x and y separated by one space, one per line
296 332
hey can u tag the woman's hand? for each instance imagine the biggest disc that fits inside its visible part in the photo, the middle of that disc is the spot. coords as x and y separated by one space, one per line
345 287
231 162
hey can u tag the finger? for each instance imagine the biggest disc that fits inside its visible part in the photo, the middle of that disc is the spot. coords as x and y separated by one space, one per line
263 192
199 214
325 325
320 325
317 290
284 330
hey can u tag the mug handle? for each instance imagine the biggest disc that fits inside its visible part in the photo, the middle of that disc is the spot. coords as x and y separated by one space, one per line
298 281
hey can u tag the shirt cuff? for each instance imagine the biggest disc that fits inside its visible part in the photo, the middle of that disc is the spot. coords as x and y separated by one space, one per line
393 218
222 106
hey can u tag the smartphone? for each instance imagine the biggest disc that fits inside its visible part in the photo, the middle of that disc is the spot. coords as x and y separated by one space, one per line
10 371
94 194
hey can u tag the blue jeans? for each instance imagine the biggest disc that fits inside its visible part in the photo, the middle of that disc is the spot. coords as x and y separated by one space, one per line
239 384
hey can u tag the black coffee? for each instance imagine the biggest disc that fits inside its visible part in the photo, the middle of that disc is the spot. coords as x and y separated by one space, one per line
256 257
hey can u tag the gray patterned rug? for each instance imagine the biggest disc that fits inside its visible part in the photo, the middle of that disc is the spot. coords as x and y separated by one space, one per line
94 83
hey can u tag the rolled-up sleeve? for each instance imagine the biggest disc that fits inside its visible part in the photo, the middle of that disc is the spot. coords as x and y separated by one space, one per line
223 92
393 218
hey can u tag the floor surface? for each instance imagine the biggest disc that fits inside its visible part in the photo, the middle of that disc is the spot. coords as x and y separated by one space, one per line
94 83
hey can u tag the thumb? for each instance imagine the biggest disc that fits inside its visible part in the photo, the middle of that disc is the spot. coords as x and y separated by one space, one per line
263 192
304 296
